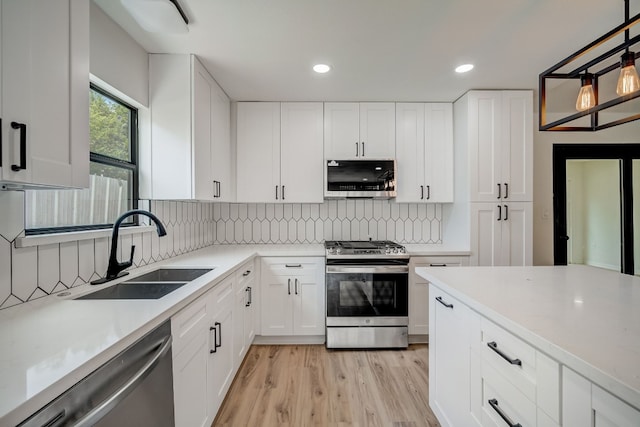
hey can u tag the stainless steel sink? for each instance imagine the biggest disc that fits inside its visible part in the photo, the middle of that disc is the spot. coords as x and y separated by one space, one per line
141 290
170 275
152 285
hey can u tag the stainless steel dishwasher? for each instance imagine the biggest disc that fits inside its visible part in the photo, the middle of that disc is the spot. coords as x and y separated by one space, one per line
135 388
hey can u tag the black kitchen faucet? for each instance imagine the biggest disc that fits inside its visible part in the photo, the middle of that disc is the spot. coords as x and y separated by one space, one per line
115 268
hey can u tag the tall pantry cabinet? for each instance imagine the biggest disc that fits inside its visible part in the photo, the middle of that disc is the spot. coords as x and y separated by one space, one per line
497 127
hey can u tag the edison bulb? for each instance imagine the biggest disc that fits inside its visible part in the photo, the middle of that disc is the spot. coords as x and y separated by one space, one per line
628 82
586 96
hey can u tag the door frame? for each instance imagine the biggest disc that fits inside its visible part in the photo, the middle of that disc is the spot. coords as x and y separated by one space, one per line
625 153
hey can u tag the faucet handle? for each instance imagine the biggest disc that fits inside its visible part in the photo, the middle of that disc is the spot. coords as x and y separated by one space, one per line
133 249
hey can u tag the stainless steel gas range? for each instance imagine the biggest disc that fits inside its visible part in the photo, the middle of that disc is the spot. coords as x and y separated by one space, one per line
367 294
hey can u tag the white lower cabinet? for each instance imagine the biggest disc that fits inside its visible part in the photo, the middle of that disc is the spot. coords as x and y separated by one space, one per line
450 338
293 296
190 332
221 367
207 351
586 404
481 374
244 321
419 289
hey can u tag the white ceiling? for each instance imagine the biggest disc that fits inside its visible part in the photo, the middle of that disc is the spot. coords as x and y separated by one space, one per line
381 50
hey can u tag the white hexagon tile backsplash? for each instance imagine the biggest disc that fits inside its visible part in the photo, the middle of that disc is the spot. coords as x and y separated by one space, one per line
37 271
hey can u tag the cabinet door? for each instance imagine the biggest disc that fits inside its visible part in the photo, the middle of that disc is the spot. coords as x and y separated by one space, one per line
190 383
449 359
239 307
221 366
438 153
485 155
258 160
418 302
277 299
517 234
221 144
378 130
202 98
410 152
301 173
517 146
250 314
341 130
308 308
486 234
45 86
609 411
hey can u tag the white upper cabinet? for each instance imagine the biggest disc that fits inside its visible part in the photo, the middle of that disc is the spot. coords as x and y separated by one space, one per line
45 94
279 152
190 131
501 145
359 130
424 150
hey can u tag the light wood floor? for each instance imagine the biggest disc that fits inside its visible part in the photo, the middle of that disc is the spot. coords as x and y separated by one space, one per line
310 385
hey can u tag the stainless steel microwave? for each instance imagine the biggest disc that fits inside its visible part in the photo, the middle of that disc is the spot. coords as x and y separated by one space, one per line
372 179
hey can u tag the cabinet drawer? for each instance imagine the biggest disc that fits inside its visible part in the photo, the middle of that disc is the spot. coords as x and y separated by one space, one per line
530 371
506 398
188 323
511 356
221 296
439 261
246 272
294 266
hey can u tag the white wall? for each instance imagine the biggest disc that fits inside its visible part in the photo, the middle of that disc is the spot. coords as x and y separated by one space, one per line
543 177
118 59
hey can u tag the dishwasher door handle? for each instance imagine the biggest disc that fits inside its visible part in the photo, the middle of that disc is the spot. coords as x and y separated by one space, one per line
103 408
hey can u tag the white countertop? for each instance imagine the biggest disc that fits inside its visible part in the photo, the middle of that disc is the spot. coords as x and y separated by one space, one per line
50 344
584 317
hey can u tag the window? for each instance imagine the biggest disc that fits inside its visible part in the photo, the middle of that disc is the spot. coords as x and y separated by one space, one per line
113 187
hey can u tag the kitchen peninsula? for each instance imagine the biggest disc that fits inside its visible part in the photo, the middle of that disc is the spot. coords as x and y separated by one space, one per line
537 345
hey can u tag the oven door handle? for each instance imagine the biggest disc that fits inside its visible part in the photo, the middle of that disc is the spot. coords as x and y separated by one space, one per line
369 269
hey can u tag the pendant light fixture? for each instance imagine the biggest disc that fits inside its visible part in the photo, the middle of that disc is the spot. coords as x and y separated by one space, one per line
593 98
628 81
586 96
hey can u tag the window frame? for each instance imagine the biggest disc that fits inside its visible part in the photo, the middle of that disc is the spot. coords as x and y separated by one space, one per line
131 166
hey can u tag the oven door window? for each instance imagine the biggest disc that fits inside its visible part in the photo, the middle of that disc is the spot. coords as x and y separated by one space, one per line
358 294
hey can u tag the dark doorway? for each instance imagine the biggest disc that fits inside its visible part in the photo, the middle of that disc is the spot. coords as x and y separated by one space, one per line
593 202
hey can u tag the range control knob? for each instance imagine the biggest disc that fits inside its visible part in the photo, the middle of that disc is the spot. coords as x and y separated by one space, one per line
401 250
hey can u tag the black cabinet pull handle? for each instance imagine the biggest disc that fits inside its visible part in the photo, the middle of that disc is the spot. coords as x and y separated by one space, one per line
428 192
246 273
215 189
422 192
283 192
293 265
276 192
215 339
505 417
219 325
357 149
363 149
219 188
499 212
289 286
506 212
499 191
248 290
506 190
23 146
437 265
296 286
494 346
439 299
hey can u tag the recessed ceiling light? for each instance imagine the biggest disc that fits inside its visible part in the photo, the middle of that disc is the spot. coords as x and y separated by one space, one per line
464 68
321 68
